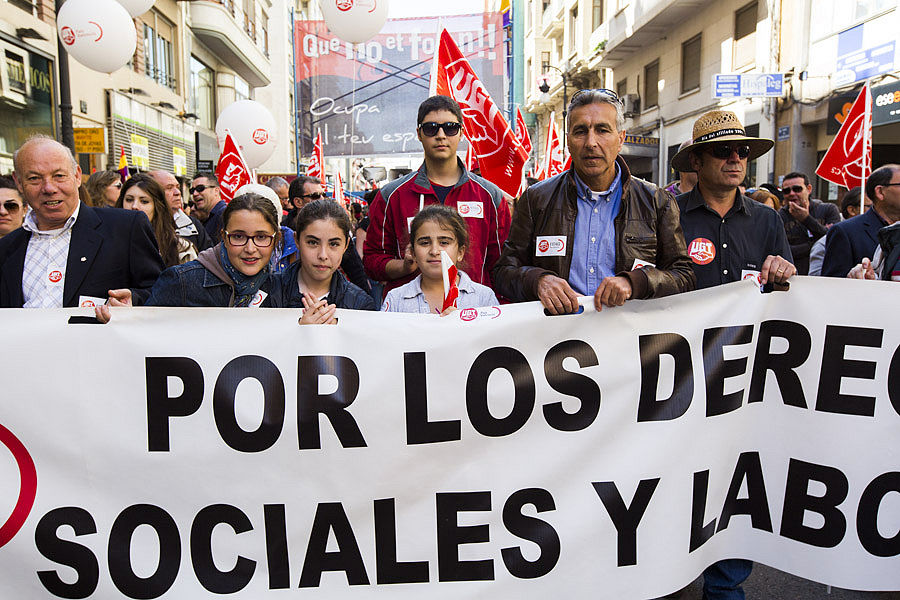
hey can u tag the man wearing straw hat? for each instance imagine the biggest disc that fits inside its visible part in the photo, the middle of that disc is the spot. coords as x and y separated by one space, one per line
729 237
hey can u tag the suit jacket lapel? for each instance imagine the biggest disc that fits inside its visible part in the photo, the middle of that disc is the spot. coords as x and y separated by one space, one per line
83 250
13 269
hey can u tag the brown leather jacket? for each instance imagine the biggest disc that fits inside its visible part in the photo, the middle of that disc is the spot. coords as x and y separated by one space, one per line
647 227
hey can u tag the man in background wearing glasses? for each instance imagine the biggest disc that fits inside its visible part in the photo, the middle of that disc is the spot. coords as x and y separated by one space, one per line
730 237
208 204
12 209
805 219
442 179
301 191
594 230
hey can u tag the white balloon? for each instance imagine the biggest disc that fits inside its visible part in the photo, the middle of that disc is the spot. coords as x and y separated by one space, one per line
253 128
136 8
354 21
97 33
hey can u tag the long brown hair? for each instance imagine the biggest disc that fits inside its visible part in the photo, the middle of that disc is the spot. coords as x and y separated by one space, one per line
163 224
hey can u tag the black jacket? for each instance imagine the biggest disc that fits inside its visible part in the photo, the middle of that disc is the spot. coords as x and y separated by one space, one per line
342 294
110 248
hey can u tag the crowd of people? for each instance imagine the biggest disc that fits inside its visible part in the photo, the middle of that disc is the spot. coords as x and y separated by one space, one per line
593 230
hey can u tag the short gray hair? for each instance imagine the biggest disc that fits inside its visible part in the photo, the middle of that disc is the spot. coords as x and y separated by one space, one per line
276 183
41 137
598 96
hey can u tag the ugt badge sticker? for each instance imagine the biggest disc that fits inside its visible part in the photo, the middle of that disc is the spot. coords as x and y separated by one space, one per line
550 245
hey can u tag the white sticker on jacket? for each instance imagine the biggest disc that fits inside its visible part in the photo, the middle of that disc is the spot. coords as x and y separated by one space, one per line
640 264
257 299
550 245
90 301
473 210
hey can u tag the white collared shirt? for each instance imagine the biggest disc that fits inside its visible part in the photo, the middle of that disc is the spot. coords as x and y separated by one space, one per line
410 298
44 273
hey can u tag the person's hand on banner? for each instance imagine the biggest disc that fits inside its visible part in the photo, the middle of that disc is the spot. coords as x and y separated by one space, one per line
120 297
776 270
863 270
317 312
613 291
557 295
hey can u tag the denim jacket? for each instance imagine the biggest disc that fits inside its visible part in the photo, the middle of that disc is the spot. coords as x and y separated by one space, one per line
192 284
343 294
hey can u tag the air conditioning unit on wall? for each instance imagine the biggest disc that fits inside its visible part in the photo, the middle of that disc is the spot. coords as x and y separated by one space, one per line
632 104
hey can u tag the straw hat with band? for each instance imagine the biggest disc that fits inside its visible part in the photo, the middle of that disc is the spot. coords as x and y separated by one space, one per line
715 127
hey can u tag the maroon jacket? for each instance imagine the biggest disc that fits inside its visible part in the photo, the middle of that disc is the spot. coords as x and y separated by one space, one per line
479 201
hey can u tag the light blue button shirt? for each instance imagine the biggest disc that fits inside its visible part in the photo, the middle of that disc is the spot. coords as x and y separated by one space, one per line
410 298
594 246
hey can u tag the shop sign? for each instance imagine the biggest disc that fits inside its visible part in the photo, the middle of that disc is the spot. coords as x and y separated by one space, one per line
856 62
179 161
745 85
886 103
90 140
140 151
641 140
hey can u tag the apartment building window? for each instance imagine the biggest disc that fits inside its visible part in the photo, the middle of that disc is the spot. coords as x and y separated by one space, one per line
597 14
544 5
250 18
651 84
26 5
545 62
622 88
159 55
202 93
573 29
241 89
690 64
264 32
745 35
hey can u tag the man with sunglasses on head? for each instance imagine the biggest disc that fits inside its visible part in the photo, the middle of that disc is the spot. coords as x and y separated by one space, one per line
208 204
594 230
730 237
442 179
805 219
12 208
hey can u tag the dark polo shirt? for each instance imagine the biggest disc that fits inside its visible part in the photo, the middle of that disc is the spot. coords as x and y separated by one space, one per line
724 248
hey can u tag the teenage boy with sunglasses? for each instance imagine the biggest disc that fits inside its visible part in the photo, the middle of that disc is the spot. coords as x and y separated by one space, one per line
730 237
805 219
442 179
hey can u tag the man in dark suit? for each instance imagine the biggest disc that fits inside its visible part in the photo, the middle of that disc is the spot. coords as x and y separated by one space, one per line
68 253
852 240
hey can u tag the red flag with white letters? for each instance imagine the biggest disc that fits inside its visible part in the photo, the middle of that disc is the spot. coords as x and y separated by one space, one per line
848 160
554 155
232 170
316 166
500 155
471 160
338 195
522 132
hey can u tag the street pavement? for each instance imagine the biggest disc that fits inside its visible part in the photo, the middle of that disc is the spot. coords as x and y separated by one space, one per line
766 583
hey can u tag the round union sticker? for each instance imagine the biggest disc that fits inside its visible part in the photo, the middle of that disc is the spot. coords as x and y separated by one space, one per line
464 209
54 276
468 314
543 245
702 251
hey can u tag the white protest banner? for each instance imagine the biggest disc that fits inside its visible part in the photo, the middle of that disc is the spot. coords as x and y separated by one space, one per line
195 453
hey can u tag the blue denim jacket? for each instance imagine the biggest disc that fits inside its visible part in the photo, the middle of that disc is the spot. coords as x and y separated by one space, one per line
192 284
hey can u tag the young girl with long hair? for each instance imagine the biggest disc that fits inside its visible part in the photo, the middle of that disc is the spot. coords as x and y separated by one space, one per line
234 273
314 282
437 227
143 193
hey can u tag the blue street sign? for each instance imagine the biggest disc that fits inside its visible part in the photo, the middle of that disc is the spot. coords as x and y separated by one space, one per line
784 133
865 63
742 85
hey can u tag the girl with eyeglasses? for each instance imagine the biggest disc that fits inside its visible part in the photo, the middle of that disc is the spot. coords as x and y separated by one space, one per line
314 282
234 273
144 193
12 208
433 229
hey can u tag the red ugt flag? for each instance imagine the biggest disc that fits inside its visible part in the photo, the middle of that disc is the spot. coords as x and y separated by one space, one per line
317 160
522 132
554 156
848 160
232 171
500 155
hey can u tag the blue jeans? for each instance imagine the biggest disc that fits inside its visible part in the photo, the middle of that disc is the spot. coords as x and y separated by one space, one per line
722 580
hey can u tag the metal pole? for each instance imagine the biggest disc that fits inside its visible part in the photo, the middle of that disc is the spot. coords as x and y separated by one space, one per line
296 93
66 130
565 109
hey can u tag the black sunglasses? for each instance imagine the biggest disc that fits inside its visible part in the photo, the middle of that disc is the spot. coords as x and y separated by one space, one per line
430 128
11 206
602 91
199 189
792 188
723 151
314 195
